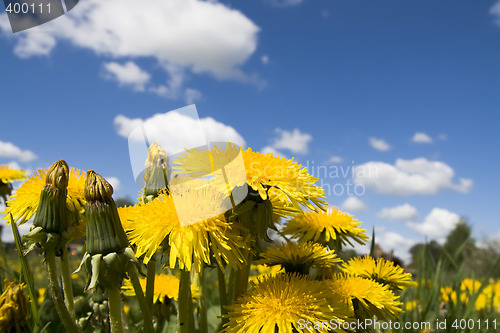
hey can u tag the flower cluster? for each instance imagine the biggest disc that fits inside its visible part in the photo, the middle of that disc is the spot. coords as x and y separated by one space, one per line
206 214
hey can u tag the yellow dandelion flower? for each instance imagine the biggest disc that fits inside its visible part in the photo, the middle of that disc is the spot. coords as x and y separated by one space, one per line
24 201
41 295
165 286
264 270
282 207
448 295
489 298
470 286
279 302
380 270
8 175
412 305
332 227
127 216
13 308
194 243
298 257
263 171
366 297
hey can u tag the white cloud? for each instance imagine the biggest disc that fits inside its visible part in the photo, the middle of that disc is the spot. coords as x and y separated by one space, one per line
192 95
421 137
190 35
9 150
286 3
334 160
42 45
128 74
269 149
14 165
379 144
495 11
405 212
442 137
175 131
124 126
264 59
353 204
393 241
437 224
115 182
295 141
407 177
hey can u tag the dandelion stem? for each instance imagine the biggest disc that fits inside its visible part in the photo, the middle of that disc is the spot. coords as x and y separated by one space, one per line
26 271
222 293
150 282
146 312
241 275
185 318
67 285
55 291
203 304
115 310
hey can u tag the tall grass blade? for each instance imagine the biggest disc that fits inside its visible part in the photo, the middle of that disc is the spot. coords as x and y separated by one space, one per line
25 270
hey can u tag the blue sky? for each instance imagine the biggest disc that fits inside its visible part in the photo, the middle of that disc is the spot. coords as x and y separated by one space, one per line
407 90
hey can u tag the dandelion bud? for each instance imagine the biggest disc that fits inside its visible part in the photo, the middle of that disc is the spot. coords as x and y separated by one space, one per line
156 172
108 256
104 231
52 213
13 308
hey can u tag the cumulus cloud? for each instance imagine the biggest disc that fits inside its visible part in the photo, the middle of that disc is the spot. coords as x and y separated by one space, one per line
334 160
421 137
393 241
353 204
495 11
180 35
176 131
437 224
14 165
128 74
9 150
285 3
115 182
269 149
405 212
192 95
264 59
407 177
442 137
379 144
295 141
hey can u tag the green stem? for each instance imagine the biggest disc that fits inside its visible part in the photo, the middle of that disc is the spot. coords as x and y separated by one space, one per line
26 272
150 282
115 310
185 318
230 285
241 276
139 294
203 304
55 291
222 294
67 285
